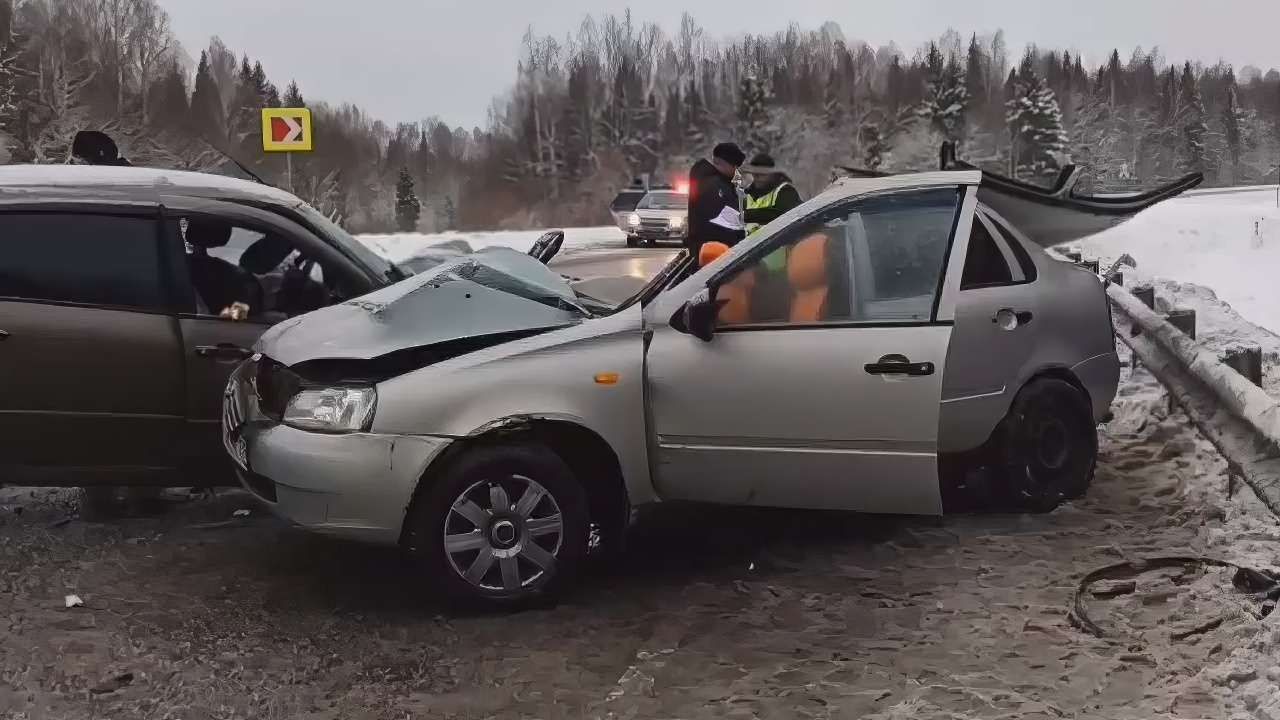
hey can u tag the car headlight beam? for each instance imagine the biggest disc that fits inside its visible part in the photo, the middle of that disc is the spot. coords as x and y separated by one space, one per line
334 409
676 222
633 220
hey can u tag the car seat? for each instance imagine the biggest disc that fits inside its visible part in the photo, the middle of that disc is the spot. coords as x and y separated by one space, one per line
218 282
808 273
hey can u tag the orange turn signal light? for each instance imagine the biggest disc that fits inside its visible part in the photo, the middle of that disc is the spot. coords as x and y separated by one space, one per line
607 378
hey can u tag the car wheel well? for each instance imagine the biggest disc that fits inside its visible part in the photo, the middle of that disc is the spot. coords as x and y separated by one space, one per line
591 459
1065 375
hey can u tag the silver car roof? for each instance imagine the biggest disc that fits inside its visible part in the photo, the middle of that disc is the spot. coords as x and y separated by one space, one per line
137 184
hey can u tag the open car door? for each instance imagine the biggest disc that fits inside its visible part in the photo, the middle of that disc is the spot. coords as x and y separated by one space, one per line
1057 214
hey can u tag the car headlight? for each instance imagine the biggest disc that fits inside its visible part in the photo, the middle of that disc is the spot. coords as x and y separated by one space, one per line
676 222
336 409
633 220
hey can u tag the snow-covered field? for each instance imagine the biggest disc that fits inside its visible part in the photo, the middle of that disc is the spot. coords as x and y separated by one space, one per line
1229 242
398 247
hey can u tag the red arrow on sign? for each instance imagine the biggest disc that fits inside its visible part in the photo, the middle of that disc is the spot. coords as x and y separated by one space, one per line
285 129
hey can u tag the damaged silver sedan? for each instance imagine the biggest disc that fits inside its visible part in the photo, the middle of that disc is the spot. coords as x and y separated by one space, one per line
894 345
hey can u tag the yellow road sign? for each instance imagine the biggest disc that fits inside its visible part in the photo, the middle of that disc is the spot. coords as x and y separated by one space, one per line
286 130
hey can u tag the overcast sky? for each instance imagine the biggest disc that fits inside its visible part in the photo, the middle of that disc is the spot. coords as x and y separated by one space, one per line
411 59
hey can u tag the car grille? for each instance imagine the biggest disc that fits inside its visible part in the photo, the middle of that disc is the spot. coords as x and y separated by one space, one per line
276 385
660 225
232 421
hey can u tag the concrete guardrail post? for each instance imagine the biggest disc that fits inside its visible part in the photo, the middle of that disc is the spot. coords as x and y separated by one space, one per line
1146 294
1183 319
1246 360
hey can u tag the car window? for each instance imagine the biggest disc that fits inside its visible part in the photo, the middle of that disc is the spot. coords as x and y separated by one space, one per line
81 258
880 259
985 265
1019 252
262 271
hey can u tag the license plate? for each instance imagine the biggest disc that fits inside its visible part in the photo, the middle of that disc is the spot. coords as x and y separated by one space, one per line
232 424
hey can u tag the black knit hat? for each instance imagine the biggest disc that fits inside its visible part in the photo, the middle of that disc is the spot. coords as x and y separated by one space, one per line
730 153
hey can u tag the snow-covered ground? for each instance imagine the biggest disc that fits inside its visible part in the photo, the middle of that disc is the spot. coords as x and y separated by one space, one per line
399 247
1227 241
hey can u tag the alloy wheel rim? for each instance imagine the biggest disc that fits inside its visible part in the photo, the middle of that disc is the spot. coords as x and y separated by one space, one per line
503 535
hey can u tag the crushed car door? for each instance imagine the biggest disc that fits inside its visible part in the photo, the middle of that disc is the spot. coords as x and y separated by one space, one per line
820 387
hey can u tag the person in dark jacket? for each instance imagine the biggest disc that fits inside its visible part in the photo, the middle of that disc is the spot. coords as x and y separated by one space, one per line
770 194
714 215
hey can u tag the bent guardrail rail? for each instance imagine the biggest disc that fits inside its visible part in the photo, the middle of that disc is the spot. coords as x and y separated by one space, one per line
1239 418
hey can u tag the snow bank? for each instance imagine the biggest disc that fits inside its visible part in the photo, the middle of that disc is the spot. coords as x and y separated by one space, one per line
399 247
1229 242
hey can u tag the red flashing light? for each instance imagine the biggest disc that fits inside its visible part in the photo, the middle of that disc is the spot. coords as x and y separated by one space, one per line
682 187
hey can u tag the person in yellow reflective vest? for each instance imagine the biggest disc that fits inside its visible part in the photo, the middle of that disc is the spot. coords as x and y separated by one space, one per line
770 194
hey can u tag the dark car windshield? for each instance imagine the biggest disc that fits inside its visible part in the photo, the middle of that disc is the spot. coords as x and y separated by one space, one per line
664 201
626 200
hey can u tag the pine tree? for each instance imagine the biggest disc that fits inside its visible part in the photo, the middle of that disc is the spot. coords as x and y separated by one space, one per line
695 119
753 114
946 99
169 106
874 148
1233 123
293 96
407 206
975 74
1190 119
833 97
1035 126
206 104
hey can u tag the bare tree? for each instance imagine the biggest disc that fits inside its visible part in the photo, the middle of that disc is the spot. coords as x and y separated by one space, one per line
111 24
149 43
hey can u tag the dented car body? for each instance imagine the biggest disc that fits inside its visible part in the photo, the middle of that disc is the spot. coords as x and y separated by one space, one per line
877 349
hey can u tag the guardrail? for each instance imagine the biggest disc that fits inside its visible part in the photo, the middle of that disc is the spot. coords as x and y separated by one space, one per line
1231 410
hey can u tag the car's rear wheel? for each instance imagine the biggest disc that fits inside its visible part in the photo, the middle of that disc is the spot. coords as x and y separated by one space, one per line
503 524
1050 445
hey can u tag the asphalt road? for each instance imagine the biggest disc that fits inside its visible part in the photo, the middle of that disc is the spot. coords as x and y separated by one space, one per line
612 274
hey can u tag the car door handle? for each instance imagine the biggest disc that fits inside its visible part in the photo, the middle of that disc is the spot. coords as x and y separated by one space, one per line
223 351
898 365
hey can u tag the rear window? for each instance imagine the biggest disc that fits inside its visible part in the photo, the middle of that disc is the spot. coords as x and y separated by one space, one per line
81 258
626 200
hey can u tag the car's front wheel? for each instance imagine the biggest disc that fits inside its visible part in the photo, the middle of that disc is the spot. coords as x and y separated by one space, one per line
1050 445
633 241
502 525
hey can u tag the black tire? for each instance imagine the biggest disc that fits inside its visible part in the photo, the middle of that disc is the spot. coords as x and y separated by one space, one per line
474 474
651 243
1050 445
632 241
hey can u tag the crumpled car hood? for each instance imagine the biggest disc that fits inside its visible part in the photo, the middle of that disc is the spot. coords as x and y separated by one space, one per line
493 292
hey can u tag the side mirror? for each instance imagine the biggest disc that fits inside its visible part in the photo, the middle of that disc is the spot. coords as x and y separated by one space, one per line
698 316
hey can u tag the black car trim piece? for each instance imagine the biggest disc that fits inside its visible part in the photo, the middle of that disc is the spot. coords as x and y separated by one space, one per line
837 324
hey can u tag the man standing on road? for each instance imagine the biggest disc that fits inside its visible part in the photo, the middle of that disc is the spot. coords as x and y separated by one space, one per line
714 215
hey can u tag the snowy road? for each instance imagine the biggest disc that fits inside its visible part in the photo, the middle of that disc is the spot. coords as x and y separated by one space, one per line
712 613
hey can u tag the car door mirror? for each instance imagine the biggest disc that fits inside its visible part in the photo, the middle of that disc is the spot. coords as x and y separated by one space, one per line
697 317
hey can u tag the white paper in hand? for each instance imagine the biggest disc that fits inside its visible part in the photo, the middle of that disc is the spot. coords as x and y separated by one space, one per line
728 218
